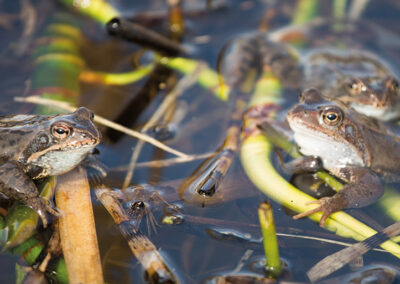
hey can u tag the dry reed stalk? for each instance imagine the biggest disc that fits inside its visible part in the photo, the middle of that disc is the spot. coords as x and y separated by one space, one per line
77 228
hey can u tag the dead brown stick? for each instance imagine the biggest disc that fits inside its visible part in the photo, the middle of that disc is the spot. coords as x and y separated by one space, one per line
77 228
339 259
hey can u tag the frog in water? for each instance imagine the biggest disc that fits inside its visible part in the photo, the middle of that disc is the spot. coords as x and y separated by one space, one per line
359 150
36 146
357 78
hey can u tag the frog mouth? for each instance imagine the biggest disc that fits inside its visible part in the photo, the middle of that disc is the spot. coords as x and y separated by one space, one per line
87 144
383 112
333 152
83 143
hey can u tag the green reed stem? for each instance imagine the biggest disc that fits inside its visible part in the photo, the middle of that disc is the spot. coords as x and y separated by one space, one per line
339 9
208 78
270 242
116 78
99 10
390 202
306 10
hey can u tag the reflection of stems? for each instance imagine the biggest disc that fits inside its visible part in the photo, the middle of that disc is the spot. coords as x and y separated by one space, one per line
182 85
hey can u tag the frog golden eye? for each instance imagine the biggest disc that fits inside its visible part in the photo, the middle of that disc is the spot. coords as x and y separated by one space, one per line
61 131
332 117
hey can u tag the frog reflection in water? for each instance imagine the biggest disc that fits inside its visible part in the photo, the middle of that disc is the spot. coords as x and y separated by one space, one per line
361 151
35 146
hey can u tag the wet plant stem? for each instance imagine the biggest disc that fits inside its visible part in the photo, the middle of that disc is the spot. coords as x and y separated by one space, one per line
99 10
270 242
305 11
142 248
208 78
185 83
116 78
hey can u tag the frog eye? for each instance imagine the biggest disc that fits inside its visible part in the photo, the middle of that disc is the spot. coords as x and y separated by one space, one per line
357 85
61 131
352 85
332 117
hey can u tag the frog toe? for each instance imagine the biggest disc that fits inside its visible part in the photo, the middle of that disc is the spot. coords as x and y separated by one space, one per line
307 213
42 215
54 211
324 207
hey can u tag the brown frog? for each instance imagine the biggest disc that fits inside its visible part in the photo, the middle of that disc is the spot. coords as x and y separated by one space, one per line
36 146
359 150
356 78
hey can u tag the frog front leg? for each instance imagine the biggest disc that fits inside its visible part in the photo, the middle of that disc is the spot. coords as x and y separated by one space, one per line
14 183
364 188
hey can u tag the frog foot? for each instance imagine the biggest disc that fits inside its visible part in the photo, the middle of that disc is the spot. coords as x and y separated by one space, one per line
41 206
325 206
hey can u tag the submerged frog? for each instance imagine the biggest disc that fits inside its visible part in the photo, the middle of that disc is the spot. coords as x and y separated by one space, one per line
36 146
359 150
354 76
357 78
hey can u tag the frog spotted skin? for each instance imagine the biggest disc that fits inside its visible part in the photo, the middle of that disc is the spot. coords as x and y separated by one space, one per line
361 151
36 146
356 78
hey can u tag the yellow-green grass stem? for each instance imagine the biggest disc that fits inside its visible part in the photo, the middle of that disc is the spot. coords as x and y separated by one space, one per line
99 10
270 242
306 10
124 78
208 78
278 140
339 9
390 203
255 156
21 221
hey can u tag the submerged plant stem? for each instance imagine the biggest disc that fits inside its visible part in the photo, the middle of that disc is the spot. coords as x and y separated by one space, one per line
185 83
142 248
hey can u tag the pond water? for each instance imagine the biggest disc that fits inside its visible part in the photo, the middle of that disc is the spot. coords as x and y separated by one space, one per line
217 238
